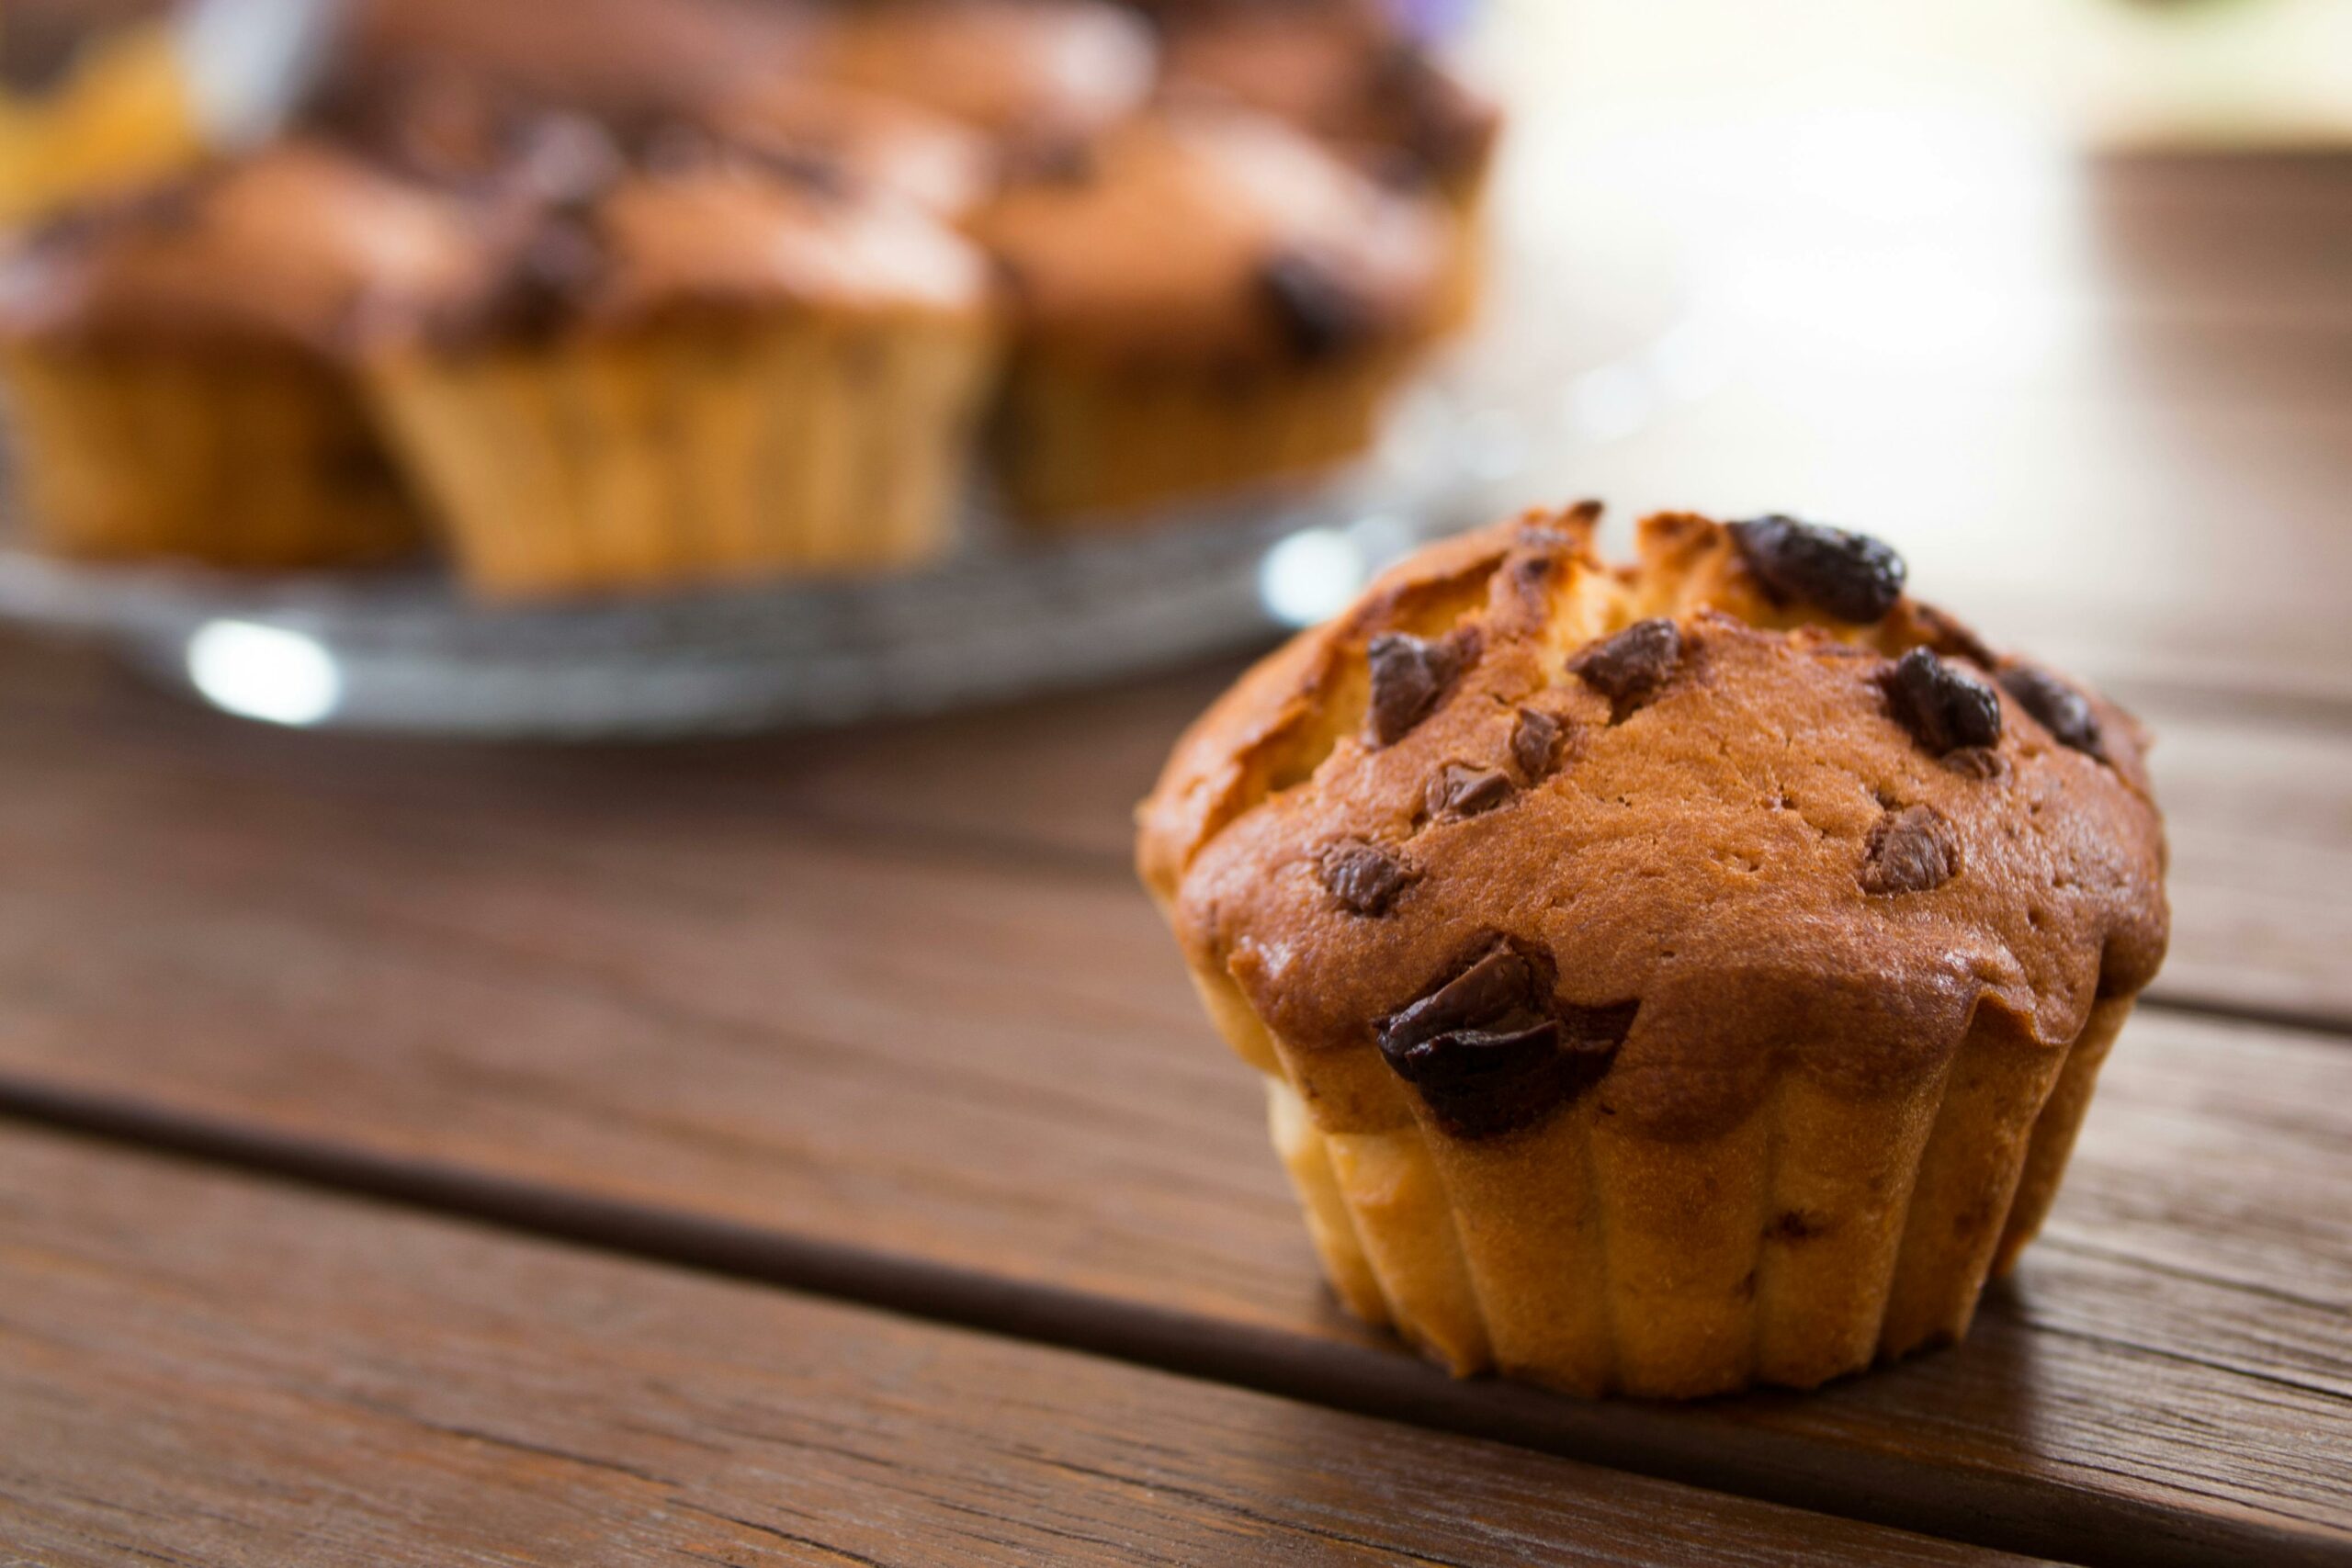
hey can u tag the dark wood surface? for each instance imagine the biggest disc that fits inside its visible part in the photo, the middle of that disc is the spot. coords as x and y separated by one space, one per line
202 1367
677 1004
880 1017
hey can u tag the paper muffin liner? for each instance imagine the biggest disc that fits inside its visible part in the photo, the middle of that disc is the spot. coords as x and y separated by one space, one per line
1822 1233
254 457
691 454
1084 446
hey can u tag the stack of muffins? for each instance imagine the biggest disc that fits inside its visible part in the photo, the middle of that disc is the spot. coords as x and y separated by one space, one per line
638 294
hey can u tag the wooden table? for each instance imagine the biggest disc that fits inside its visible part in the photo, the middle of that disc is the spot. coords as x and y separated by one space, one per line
809 1150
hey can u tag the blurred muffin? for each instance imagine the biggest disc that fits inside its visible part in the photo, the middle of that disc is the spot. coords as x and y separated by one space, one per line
176 372
1340 70
1024 71
1667 978
1203 301
704 367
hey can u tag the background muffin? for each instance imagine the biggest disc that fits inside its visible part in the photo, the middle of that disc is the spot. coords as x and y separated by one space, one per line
176 366
708 368
1203 301
1339 71
1667 979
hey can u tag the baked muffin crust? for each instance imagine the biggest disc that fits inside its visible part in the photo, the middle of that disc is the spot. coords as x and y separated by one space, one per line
284 247
1197 237
690 224
1693 820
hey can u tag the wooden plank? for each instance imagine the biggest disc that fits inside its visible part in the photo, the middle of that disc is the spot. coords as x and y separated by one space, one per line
202 1367
639 1002
2260 808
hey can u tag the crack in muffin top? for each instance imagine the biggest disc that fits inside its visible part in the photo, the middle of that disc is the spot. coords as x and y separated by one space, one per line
1752 836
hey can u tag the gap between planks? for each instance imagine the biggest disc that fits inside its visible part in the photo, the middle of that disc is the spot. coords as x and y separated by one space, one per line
2002 1512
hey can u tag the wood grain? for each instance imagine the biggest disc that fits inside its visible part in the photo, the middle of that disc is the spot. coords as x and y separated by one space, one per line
643 999
2259 807
200 1367
2103 406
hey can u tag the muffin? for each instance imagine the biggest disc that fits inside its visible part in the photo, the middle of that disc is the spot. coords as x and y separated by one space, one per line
175 365
704 367
1340 70
1343 72
1667 979
1201 300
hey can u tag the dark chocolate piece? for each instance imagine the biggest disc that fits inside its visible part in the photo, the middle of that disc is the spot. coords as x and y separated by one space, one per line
1458 789
1060 160
1629 668
536 293
1535 744
1849 575
1364 877
1409 675
2057 708
1910 850
1319 316
1943 706
819 173
1492 1051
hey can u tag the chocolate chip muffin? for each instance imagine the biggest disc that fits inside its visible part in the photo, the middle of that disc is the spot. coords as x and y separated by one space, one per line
694 363
1201 300
176 364
1342 72
1667 978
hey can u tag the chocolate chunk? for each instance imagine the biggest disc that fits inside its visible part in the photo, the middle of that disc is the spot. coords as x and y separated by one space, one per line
1795 1224
819 173
1058 161
1851 576
671 148
1462 789
1535 744
1491 1050
1320 315
1910 850
1628 668
2057 708
538 292
1362 876
1942 705
1409 675
1502 982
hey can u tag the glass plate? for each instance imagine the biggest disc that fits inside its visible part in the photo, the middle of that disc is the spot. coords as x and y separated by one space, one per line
1003 617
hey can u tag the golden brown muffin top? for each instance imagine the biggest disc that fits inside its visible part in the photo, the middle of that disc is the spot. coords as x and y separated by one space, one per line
1023 69
1532 827
1195 236
1337 71
284 246
581 239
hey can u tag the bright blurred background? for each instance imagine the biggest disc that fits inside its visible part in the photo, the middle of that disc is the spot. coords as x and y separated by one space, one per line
1926 269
